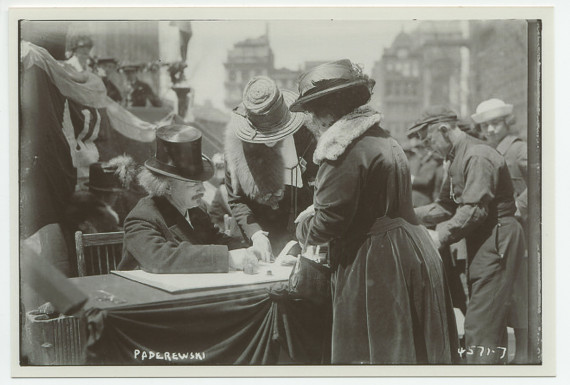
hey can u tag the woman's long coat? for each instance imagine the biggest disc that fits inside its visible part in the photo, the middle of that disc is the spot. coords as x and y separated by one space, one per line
391 303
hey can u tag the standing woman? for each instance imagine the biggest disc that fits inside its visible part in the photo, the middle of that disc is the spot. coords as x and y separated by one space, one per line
269 172
391 303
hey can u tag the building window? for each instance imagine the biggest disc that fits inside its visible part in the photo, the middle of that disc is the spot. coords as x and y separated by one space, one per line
232 76
415 70
407 71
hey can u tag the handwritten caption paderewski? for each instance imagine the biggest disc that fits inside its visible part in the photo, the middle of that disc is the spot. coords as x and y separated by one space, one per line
167 356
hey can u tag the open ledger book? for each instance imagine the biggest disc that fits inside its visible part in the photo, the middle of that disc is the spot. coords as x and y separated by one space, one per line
180 283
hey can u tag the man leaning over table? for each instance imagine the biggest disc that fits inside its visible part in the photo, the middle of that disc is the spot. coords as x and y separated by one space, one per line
169 231
476 203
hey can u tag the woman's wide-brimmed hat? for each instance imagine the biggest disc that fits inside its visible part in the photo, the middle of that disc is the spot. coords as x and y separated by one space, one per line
491 109
179 154
264 116
328 78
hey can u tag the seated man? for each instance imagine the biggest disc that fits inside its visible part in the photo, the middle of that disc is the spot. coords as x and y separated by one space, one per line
169 231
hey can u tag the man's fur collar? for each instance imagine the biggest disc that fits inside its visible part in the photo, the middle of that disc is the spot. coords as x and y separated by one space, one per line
342 133
258 170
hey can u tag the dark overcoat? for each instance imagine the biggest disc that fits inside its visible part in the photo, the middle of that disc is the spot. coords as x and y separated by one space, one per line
141 92
158 239
426 180
391 303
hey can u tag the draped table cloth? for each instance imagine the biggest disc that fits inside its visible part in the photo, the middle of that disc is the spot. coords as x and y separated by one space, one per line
134 324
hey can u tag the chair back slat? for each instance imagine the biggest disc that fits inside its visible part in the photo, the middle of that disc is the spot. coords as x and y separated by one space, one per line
98 250
108 265
92 259
98 253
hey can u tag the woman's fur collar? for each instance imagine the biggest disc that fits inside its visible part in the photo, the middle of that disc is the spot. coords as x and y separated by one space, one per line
256 169
342 133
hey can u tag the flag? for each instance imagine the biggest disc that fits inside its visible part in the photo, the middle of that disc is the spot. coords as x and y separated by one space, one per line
67 122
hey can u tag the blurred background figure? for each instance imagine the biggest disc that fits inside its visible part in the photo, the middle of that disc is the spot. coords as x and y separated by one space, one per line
78 47
109 67
139 92
427 175
496 119
108 200
219 208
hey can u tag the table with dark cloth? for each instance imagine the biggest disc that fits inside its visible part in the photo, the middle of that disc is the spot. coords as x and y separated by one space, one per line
252 324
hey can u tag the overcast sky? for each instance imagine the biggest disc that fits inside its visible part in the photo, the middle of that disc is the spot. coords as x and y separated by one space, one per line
293 43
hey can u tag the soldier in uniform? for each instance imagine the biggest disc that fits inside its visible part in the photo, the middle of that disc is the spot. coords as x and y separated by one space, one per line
496 119
476 203
140 92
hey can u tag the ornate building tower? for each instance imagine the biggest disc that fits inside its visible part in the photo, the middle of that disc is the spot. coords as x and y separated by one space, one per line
247 59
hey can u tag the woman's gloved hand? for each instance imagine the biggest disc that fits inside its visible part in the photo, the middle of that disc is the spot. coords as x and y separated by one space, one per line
308 212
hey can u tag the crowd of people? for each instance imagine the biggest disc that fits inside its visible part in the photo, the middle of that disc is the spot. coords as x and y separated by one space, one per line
319 168
120 79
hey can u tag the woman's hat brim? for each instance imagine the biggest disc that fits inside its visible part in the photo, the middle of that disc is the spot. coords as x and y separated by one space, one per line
299 104
246 132
158 167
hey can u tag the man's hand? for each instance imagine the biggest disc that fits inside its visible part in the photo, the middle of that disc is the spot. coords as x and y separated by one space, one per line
308 212
261 246
435 238
242 258
236 259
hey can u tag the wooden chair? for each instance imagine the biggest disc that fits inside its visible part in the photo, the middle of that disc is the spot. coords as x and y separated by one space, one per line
98 253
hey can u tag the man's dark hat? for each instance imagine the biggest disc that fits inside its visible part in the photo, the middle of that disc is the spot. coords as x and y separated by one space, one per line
328 78
179 154
432 115
131 67
103 178
105 60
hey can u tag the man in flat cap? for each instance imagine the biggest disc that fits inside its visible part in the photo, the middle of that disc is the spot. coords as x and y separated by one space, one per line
476 203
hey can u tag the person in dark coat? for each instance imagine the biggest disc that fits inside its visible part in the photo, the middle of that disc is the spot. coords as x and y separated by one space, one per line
139 91
104 206
109 67
476 203
269 172
391 303
169 231
426 177
496 118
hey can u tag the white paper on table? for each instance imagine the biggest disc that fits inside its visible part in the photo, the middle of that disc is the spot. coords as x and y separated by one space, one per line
177 283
